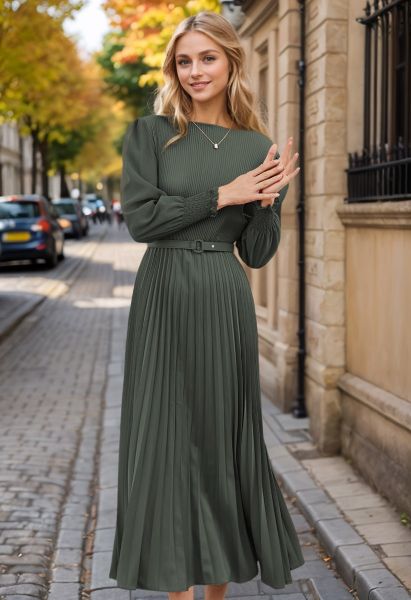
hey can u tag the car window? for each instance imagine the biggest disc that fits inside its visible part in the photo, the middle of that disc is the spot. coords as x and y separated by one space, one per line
65 208
19 210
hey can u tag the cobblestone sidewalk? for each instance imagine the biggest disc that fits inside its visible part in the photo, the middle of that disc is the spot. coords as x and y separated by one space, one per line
53 372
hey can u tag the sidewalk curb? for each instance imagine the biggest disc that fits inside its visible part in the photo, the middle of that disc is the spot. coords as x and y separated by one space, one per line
357 564
49 289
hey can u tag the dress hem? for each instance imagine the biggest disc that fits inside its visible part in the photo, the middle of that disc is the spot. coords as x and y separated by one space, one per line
228 579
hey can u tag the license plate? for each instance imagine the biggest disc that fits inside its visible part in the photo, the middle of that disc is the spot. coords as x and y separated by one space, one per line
16 236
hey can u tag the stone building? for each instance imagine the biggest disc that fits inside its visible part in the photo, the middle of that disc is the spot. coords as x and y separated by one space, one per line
356 230
16 157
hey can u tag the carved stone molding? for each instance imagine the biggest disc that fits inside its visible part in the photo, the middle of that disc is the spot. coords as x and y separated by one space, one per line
376 214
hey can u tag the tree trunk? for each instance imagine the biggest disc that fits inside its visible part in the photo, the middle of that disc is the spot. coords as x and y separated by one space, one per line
64 190
21 157
43 145
34 147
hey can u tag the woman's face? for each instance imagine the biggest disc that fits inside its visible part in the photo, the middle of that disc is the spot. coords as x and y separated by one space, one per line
199 59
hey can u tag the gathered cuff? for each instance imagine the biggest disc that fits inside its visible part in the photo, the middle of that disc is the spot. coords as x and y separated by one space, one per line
200 206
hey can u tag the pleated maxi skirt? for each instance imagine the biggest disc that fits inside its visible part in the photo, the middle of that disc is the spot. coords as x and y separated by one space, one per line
198 502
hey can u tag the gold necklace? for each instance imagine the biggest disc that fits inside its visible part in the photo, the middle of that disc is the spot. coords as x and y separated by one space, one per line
215 144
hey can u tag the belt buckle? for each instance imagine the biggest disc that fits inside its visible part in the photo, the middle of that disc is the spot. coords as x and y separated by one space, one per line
197 249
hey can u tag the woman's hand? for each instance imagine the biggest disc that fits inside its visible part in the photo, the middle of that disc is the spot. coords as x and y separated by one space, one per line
249 186
288 161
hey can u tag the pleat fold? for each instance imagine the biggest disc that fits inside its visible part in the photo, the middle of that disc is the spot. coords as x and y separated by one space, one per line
198 501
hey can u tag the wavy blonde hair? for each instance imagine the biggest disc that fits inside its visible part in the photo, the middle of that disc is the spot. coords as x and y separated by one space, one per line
172 101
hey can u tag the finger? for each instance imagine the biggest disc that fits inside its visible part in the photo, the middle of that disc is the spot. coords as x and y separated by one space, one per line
262 196
292 163
264 166
278 170
272 151
291 148
287 152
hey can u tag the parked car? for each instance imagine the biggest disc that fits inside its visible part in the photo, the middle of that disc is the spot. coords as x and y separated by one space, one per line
29 230
70 209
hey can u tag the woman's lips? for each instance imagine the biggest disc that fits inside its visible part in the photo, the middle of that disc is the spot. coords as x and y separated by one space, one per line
199 86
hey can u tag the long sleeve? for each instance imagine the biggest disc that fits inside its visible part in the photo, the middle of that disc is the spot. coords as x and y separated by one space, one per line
148 212
260 238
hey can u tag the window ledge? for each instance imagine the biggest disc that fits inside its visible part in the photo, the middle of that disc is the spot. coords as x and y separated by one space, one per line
376 214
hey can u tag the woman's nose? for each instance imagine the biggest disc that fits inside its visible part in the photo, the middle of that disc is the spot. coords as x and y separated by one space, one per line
195 69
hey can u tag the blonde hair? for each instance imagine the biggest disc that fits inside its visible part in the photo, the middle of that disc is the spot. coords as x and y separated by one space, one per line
172 101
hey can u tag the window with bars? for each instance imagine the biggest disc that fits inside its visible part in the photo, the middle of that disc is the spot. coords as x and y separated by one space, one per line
382 170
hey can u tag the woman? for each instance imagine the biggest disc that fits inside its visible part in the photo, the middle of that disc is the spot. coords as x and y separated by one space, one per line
198 502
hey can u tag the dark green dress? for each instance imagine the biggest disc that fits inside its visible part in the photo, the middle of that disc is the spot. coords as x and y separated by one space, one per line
198 502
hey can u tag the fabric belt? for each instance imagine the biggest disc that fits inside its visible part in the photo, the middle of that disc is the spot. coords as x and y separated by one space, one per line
195 245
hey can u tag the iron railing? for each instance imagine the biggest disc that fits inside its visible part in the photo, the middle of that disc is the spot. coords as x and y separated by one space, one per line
382 170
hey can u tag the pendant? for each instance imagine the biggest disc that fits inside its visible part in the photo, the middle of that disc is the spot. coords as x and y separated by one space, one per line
216 146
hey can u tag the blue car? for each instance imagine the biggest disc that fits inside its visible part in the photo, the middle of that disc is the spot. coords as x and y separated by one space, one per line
71 211
29 230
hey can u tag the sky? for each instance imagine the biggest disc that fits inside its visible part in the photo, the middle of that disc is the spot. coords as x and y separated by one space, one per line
88 27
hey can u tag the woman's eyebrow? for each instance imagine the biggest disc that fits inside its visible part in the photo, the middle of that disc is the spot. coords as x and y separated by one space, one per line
202 52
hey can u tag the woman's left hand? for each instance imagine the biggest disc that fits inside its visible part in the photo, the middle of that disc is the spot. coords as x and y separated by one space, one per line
288 161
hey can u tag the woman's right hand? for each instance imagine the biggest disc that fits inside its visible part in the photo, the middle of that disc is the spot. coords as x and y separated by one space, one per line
246 188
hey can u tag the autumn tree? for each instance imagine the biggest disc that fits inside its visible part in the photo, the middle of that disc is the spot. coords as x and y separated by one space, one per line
41 82
142 32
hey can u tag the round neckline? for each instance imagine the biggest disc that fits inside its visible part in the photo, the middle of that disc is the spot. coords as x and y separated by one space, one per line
216 125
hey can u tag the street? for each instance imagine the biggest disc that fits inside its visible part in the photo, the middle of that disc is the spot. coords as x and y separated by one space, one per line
61 374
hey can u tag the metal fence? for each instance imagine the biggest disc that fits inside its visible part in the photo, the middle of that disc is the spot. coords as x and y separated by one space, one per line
382 170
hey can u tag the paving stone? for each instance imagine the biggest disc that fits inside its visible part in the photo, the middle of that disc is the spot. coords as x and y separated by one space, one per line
17 597
106 519
290 588
7 578
329 588
379 533
67 556
104 539
366 500
107 499
349 559
70 538
321 511
378 514
29 589
67 574
336 532
110 594
300 523
100 570
370 579
389 594
137 594
401 566
397 549
285 463
64 591
295 481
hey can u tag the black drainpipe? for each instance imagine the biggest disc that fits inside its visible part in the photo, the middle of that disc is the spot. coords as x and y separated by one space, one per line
299 409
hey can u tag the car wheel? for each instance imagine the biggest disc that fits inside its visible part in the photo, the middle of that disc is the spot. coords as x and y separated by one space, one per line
52 259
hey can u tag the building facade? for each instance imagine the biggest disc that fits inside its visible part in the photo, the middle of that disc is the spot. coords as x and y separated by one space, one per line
16 155
357 238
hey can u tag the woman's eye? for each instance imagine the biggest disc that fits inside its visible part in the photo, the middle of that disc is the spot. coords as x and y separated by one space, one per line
183 60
